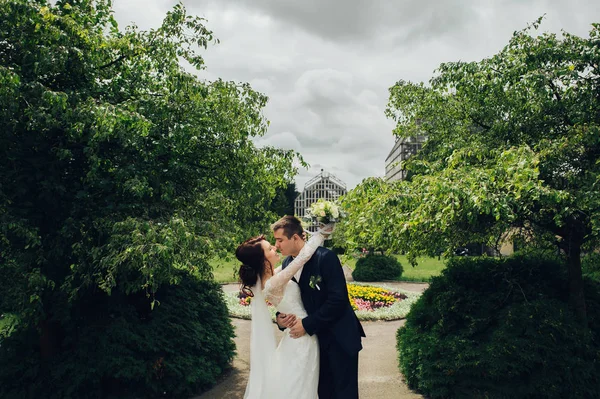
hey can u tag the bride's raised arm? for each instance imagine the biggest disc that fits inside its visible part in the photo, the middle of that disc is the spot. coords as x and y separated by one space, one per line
275 287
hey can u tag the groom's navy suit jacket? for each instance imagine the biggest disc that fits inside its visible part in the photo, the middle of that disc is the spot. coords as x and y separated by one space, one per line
330 315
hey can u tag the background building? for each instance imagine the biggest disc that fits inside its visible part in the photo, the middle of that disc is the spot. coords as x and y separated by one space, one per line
323 186
403 149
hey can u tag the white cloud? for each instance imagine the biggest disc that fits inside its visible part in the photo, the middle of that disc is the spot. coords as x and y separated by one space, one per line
281 140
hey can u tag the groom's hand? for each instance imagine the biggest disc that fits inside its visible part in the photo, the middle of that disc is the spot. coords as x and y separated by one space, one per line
285 320
297 330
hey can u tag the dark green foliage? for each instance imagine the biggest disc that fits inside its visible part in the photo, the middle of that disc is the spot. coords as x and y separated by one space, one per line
116 347
501 328
121 174
590 265
117 166
377 268
283 202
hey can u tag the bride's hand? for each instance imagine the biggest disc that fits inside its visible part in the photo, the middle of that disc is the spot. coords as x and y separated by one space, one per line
285 320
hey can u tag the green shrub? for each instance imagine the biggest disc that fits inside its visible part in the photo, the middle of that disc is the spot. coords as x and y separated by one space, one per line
377 268
501 328
590 265
116 347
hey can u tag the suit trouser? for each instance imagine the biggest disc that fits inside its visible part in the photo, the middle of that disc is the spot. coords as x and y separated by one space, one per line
338 374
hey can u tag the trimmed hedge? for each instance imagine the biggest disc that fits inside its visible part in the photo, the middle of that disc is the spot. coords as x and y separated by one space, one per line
501 328
116 347
377 268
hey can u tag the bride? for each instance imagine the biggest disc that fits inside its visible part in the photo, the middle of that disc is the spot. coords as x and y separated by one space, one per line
290 370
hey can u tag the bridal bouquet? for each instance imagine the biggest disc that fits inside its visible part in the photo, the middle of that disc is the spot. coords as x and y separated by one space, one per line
324 212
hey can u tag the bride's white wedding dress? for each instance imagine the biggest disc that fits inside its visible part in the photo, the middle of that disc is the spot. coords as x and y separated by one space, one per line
291 371
296 360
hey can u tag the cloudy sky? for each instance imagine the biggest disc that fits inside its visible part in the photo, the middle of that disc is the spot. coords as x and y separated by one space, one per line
326 65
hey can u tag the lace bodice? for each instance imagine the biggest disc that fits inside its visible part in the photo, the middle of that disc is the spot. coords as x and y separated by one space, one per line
276 286
292 301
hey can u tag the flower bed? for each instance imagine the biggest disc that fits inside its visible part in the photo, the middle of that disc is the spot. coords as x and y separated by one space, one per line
365 297
370 302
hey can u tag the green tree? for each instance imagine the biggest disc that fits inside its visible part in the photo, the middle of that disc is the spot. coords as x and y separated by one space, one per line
283 202
118 169
513 142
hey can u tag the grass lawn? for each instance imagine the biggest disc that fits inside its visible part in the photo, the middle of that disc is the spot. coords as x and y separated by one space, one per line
425 269
225 271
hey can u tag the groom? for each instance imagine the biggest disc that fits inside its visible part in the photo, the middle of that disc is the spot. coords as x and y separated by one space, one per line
330 316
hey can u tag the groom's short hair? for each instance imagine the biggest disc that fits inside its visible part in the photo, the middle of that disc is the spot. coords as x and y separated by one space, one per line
290 224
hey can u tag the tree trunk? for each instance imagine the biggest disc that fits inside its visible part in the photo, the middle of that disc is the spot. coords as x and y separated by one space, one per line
576 294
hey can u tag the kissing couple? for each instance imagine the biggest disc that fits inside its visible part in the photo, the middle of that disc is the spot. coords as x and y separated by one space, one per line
318 354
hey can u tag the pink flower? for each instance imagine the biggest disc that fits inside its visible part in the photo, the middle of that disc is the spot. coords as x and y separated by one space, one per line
245 301
362 304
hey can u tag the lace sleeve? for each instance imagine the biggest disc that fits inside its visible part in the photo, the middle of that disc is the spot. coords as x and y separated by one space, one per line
275 287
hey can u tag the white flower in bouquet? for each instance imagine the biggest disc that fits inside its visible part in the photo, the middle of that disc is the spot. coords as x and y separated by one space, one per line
335 212
324 212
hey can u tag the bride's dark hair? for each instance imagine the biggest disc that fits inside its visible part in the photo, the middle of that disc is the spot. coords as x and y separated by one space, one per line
252 256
